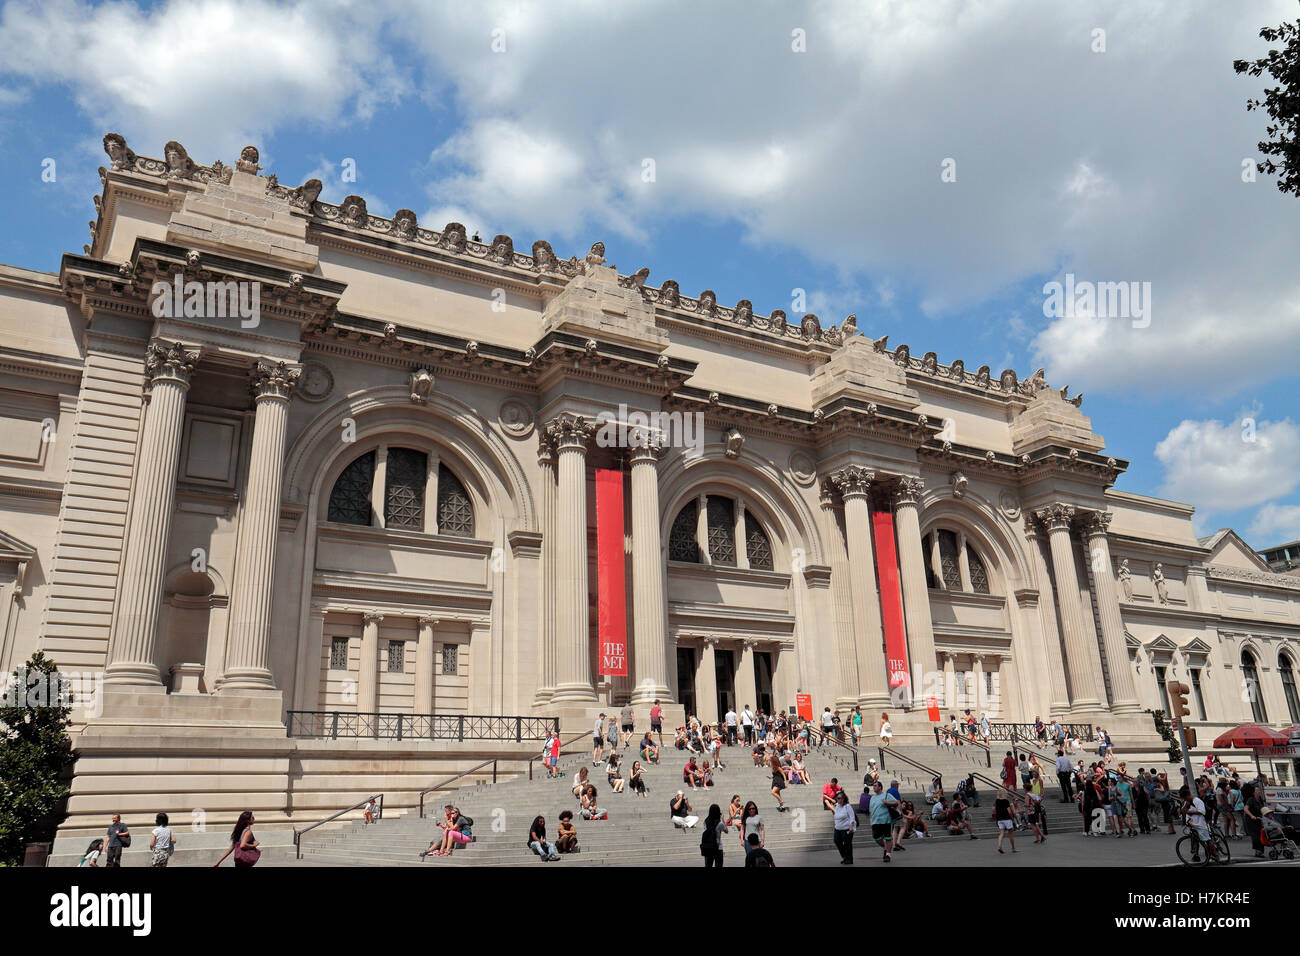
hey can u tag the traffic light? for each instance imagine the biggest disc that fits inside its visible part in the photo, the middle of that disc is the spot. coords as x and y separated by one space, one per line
1178 700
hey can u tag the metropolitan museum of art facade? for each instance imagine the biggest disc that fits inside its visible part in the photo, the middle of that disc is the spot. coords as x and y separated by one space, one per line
268 460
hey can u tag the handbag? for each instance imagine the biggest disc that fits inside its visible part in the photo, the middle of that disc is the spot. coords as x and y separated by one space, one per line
248 855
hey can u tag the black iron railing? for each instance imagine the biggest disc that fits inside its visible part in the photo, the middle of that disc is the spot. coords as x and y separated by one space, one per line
378 798
335 724
1027 732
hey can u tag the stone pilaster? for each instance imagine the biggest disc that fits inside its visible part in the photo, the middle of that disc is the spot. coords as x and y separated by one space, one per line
546 595
1056 519
746 684
570 434
368 676
649 612
424 666
854 485
1123 691
706 683
911 570
168 367
1040 608
248 659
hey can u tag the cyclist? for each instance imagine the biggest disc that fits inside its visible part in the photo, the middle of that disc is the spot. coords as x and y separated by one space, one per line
1193 809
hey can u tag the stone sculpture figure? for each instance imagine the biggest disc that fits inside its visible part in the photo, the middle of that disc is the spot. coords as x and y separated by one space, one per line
1158 579
1126 580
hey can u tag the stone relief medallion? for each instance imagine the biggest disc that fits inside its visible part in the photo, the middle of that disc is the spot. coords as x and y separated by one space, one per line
516 418
1009 504
802 468
315 383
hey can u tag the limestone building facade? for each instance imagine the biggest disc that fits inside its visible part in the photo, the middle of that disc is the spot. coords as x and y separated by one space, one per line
268 458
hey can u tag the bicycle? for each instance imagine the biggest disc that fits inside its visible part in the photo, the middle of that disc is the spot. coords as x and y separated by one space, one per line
1190 845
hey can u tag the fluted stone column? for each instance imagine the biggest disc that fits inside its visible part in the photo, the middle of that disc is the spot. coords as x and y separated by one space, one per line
911 569
1123 691
977 667
706 683
854 484
368 676
1040 609
132 650
424 666
846 653
1056 519
546 596
248 659
936 562
949 682
570 434
649 612
746 683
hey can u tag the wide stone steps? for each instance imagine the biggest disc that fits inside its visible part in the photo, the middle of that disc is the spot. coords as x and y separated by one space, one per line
638 830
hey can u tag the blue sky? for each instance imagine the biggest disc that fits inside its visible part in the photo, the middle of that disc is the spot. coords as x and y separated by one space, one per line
794 147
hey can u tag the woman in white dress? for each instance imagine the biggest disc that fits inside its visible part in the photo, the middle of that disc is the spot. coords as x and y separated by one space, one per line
886 731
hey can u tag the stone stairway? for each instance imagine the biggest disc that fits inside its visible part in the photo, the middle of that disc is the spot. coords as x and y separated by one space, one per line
639 830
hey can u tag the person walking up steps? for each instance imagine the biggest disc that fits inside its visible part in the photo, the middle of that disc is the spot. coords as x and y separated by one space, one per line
882 822
747 725
657 722
1006 819
711 840
1063 772
598 741
846 821
627 724
778 781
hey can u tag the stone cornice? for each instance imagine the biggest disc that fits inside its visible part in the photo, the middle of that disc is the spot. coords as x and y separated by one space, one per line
1288 582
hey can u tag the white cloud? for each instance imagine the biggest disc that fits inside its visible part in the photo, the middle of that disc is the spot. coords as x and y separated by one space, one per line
1224 467
214 75
1275 524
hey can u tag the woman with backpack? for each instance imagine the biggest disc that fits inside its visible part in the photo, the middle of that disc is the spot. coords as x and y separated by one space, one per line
711 840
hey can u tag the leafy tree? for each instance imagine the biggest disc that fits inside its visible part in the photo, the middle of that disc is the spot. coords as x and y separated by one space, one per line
35 750
1282 102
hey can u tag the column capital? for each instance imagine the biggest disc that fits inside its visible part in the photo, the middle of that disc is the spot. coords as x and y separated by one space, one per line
908 491
273 381
1094 523
645 446
749 643
427 620
168 362
1056 517
568 430
545 448
826 494
853 481
372 617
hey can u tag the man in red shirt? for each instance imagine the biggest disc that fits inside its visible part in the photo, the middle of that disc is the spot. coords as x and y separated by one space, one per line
657 722
829 793
555 756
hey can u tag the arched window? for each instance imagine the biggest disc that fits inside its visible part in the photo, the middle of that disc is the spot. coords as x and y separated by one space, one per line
1287 667
455 510
722 531
681 539
944 567
350 499
757 545
404 489
406 475
1250 674
720 520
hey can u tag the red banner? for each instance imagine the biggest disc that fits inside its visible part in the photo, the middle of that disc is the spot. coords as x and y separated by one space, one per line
891 597
611 586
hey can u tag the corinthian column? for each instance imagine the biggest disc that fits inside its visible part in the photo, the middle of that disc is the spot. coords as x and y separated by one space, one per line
1056 519
854 485
1123 693
167 378
649 614
248 659
911 568
570 434
546 579
846 653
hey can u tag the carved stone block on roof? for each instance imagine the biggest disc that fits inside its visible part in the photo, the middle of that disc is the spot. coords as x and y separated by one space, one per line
453 237
544 259
352 212
903 356
983 377
118 151
930 363
179 164
810 327
744 314
404 224
957 370
502 250
670 294
707 304
305 196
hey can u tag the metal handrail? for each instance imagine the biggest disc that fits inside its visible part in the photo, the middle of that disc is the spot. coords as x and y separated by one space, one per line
443 783
563 744
333 724
988 751
908 760
299 834
841 744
